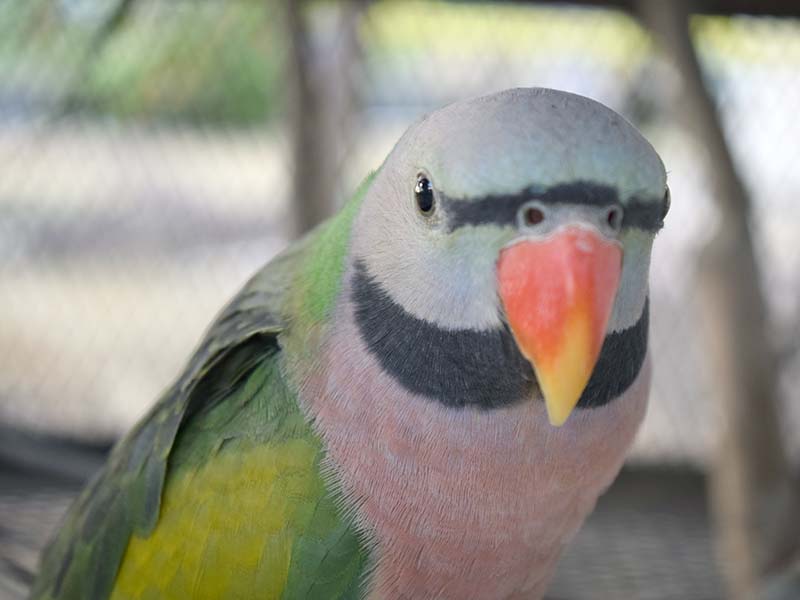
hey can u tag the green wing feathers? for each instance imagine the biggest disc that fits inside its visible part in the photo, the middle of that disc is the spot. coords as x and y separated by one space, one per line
246 513
217 492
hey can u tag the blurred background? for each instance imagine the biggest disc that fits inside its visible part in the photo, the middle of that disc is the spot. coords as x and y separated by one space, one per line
155 153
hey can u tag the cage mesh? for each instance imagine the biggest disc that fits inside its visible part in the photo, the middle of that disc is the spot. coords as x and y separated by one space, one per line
147 173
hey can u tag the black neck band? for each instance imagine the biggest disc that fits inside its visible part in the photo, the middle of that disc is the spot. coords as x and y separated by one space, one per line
476 368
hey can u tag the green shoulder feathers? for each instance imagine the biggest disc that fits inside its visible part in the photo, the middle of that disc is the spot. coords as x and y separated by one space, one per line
217 492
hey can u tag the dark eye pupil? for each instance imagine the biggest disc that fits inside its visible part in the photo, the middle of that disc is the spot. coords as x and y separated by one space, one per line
533 216
667 203
424 194
614 218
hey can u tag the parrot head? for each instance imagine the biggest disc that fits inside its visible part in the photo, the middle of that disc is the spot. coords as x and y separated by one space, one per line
507 240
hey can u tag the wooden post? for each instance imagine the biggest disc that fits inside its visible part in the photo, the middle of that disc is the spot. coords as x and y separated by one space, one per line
322 101
752 495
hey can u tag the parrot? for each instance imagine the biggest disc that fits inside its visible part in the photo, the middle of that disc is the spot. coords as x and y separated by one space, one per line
423 397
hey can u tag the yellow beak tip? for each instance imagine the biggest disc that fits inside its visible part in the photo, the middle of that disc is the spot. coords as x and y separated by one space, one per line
562 395
557 420
558 414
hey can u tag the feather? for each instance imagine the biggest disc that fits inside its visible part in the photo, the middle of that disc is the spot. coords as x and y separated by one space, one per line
226 435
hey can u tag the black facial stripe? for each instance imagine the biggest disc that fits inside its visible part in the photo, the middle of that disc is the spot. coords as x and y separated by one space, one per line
643 214
499 210
483 369
502 209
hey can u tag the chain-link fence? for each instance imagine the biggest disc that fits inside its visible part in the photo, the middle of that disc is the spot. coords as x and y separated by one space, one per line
146 168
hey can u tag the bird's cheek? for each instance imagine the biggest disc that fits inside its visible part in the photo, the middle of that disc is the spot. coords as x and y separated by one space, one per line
558 293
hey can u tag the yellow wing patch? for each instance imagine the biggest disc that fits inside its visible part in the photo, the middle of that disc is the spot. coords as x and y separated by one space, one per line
226 529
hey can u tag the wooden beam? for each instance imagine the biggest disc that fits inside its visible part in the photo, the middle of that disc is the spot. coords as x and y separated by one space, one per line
322 101
775 8
752 492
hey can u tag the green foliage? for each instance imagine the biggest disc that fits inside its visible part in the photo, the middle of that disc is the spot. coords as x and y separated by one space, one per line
207 62
177 61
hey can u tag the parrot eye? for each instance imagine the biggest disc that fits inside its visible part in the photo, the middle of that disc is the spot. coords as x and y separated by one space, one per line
614 218
667 203
533 216
423 193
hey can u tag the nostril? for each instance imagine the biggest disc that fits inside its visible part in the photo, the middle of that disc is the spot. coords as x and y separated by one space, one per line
533 215
614 218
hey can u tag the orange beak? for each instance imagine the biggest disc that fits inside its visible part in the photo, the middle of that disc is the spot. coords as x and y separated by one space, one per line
558 293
